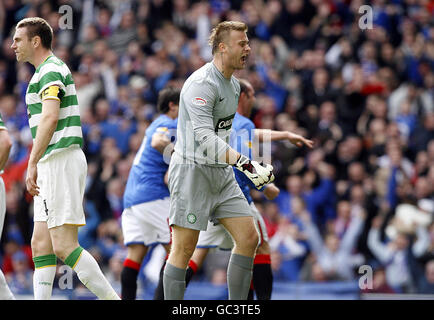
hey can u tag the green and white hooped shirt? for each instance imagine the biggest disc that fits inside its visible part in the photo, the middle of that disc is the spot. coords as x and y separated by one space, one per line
2 124
54 72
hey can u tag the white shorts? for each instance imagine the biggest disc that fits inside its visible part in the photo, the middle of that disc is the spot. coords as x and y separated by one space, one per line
217 236
260 224
61 181
147 223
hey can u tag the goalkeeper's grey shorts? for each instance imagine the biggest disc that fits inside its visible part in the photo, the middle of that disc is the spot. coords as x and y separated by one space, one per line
201 193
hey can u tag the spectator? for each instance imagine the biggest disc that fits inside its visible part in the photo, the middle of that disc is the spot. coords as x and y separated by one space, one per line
379 283
427 284
335 257
115 265
21 280
314 196
394 256
288 243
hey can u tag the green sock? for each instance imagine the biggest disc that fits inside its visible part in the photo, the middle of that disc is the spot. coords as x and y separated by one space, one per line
73 257
90 274
43 277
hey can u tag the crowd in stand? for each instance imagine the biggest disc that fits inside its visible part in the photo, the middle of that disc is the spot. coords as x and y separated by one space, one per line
364 195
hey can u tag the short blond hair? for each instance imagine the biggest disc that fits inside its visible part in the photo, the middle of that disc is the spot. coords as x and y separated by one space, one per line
221 32
38 27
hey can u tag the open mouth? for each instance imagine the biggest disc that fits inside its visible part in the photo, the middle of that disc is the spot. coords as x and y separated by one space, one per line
244 59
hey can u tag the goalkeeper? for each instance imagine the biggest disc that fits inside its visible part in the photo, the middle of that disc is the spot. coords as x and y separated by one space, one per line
201 180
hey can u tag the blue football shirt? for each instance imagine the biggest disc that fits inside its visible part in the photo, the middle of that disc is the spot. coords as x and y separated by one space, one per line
146 178
242 135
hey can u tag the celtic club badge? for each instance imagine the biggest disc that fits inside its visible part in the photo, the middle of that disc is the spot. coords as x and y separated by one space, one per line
191 218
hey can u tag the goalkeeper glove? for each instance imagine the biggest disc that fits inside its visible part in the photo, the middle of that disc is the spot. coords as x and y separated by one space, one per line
260 175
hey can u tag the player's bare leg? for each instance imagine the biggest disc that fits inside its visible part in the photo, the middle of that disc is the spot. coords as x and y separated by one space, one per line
183 244
45 261
65 245
199 256
135 254
239 274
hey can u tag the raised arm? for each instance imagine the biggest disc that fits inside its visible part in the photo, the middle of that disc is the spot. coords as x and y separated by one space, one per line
379 249
352 234
273 135
422 243
313 236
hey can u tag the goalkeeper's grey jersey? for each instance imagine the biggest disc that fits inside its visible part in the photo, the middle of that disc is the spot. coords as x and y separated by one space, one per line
207 107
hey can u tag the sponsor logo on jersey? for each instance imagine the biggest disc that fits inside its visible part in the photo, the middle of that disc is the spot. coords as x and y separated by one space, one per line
199 101
225 123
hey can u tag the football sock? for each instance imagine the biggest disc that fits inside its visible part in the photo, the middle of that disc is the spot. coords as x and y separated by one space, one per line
239 276
251 290
43 277
5 292
90 274
262 277
159 290
129 279
173 282
191 270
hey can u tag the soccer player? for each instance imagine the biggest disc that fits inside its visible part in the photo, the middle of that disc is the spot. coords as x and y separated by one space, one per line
201 182
5 147
57 167
146 197
242 139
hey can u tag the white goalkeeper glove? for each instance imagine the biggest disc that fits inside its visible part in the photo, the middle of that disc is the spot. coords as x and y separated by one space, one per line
260 175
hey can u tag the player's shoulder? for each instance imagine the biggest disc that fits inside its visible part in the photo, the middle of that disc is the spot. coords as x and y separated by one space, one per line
203 77
241 121
52 64
164 121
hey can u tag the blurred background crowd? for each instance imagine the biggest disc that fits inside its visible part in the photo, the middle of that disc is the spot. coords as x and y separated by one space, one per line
362 196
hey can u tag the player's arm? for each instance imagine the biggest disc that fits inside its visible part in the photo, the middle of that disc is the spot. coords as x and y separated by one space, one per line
46 128
5 147
273 135
271 191
162 143
166 178
199 102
